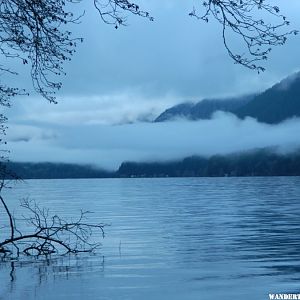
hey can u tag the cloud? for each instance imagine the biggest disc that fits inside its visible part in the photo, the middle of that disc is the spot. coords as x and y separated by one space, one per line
26 133
109 109
108 146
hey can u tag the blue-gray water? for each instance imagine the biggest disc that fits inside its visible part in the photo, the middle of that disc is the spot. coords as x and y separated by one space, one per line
185 238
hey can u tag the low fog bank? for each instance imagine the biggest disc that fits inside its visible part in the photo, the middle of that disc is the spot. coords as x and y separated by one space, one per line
107 109
108 146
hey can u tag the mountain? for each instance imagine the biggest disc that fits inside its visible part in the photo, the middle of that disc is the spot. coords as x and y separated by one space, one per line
203 109
280 102
276 104
180 111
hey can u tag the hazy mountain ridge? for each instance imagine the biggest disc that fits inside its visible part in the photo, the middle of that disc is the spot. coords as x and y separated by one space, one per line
279 103
276 104
203 109
181 111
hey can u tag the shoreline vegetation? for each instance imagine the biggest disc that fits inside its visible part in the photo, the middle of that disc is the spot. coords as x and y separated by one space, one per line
254 163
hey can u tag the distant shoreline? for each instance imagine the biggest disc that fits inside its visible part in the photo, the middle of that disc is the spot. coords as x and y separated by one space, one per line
258 163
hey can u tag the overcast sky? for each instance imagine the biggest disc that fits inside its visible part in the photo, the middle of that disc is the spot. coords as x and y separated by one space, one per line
134 73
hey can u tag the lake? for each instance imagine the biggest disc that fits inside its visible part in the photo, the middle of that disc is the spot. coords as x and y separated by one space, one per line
169 238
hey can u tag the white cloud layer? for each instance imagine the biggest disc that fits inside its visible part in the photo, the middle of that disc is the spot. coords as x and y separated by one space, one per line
110 109
108 146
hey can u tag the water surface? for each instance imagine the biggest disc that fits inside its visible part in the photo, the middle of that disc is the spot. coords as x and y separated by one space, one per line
183 238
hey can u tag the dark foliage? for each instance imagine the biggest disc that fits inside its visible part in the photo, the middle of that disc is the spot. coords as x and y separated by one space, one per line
257 163
54 171
263 162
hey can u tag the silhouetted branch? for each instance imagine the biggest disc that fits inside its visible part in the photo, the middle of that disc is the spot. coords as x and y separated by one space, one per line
35 32
112 11
48 234
248 20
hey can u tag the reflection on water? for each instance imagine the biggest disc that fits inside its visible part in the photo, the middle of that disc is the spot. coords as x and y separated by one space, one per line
185 238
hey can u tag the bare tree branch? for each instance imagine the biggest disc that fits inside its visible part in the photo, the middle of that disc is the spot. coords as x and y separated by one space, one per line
112 11
49 234
35 32
247 19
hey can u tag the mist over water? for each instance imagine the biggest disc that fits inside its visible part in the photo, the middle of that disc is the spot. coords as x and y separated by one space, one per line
109 145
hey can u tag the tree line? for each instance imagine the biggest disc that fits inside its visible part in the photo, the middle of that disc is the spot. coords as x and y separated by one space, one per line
254 163
257 163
